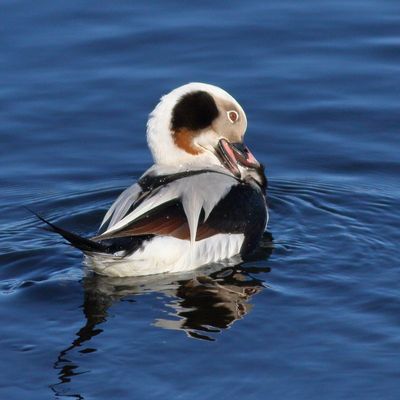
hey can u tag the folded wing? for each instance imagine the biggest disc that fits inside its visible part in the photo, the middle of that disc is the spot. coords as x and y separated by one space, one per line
179 208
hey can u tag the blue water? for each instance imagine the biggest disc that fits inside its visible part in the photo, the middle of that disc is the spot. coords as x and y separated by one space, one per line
317 319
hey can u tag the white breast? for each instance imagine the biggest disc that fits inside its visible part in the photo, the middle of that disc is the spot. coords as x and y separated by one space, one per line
168 254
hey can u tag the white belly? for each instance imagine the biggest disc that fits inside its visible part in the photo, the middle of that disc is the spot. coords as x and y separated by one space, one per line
167 254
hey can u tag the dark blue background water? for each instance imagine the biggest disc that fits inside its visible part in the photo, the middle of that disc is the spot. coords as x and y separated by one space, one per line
319 318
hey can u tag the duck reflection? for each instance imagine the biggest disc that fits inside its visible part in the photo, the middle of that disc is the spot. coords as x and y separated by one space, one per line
204 302
208 304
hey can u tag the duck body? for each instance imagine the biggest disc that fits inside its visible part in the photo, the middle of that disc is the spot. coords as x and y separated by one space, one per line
203 200
150 225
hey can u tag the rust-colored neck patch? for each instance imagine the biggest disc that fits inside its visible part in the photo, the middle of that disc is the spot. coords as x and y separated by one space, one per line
183 138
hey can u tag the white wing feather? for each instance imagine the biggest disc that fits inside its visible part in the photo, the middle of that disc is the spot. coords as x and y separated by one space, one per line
121 206
196 192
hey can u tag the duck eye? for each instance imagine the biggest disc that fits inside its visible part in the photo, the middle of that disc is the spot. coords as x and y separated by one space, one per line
233 116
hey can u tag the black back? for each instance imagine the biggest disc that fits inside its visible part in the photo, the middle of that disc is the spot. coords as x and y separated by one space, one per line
242 210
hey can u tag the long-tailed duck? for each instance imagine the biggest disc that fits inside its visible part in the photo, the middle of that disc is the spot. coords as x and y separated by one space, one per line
202 201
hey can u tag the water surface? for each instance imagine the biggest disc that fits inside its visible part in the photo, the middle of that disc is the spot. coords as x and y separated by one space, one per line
317 318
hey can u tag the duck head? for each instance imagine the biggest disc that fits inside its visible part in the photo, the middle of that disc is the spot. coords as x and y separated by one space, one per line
201 126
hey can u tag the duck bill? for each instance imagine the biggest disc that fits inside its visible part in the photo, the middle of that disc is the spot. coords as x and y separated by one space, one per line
234 154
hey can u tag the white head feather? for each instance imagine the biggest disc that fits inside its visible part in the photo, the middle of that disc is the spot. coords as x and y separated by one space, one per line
159 135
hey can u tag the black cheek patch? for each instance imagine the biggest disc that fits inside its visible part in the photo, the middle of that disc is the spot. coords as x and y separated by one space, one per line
194 111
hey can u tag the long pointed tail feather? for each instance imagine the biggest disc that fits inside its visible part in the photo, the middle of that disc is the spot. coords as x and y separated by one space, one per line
75 240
